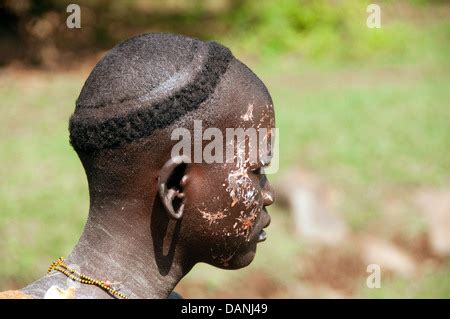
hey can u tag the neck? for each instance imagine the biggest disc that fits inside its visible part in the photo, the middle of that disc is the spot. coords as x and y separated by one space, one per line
132 247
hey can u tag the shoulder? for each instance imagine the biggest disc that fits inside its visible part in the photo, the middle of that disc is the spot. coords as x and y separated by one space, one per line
14 294
174 295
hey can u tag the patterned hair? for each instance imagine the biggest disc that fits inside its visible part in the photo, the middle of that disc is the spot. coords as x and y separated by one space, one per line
145 83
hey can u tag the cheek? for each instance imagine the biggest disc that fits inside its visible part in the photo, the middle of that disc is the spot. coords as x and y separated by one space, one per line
212 217
241 189
245 202
227 230
224 213
233 238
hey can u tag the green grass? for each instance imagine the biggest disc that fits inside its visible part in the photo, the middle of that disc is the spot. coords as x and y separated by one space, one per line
43 198
368 130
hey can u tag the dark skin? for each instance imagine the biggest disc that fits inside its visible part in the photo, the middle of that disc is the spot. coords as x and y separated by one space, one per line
152 219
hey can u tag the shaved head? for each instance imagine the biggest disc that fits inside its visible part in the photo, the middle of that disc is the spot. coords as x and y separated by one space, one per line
145 83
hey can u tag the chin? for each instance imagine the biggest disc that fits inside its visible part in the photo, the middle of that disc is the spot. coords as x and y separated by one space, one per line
241 259
242 262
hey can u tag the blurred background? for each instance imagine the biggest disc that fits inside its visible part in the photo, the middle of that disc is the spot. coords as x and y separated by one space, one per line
364 119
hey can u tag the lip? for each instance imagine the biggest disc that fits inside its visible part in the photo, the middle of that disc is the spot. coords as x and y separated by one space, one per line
262 236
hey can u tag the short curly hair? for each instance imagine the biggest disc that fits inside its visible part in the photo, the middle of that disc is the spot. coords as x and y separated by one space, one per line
143 84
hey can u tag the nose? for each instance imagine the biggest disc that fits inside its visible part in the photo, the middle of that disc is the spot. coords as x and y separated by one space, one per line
268 195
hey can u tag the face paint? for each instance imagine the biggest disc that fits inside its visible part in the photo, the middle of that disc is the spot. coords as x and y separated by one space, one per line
267 115
223 255
248 116
212 218
245 223
240 186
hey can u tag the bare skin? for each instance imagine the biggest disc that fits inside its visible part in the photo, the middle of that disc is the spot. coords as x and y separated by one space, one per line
143 238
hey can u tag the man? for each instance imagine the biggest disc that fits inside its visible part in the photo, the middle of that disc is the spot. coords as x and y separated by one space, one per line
155 214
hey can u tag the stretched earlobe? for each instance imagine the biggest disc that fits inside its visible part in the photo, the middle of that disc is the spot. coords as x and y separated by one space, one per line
171 182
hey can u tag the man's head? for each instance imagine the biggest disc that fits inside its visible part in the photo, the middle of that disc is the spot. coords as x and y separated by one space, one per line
124 130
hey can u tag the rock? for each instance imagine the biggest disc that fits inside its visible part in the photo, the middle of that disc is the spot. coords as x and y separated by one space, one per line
14 294
310 203
435 205
387 256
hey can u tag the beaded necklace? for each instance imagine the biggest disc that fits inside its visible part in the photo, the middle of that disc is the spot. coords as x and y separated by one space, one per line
60 266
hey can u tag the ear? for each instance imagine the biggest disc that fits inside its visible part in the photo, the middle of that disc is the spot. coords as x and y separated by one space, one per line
171 181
